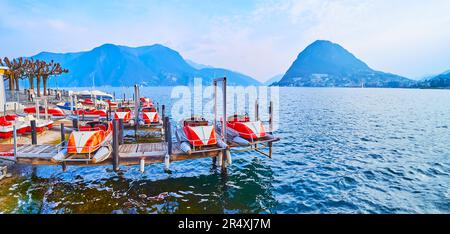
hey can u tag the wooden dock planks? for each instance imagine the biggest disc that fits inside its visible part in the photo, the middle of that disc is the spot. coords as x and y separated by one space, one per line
143 150
37 151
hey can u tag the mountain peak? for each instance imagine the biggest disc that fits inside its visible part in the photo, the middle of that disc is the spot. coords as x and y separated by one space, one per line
324 63
322 42
119 65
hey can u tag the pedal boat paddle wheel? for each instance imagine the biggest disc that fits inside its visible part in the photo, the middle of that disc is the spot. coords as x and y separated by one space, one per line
90 143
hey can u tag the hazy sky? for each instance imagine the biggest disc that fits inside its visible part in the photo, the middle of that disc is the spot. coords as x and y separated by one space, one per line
259 38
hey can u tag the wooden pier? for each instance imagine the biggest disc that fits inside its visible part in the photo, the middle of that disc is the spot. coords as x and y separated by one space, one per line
166 151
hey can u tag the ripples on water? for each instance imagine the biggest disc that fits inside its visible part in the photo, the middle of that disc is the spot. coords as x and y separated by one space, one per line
342 151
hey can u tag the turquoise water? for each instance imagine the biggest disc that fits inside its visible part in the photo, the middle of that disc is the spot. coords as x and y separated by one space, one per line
342 151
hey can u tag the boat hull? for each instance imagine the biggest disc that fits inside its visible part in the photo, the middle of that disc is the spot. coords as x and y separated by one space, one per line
101 155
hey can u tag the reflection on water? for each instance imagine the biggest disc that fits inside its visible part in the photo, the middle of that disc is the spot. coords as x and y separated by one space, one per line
342 151
79 190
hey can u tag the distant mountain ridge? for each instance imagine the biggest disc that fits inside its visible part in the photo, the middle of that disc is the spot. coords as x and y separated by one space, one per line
154 65
273 79
439 81
326 64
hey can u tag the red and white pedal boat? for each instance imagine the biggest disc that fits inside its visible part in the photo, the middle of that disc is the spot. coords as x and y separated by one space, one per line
87 102
54 111
6 128
244 131
92 140
146 102
196 133
149 115
41 124
111 103
125 115
92 113
22 125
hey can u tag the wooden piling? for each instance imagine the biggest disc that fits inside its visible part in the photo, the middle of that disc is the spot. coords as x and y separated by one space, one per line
168 137
136 107
75 124
271 117
46 108
115 151
163 112
63 135
256 110
15 141
37 108
33 132
121 128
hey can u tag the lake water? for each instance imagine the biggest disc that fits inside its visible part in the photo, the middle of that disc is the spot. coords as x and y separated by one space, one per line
342 151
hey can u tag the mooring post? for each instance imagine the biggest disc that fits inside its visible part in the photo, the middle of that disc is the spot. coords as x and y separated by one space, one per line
256 110
109 112
33 132
46 108
169 144
136 106
142 165
121 131
163 112
15 107
71 104
15 141
214 159
115 145
63 135
4 109
224 125
114 96
37 108
270 116
75 124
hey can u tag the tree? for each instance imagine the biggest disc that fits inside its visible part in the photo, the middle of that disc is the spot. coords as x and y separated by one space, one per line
40 66
16 70
50 69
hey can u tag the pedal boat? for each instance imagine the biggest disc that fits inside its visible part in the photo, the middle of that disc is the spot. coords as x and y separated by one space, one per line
90 113
41 124
54 112
150 115
125 115
22 125
92 141
243 131
196 134
6 128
